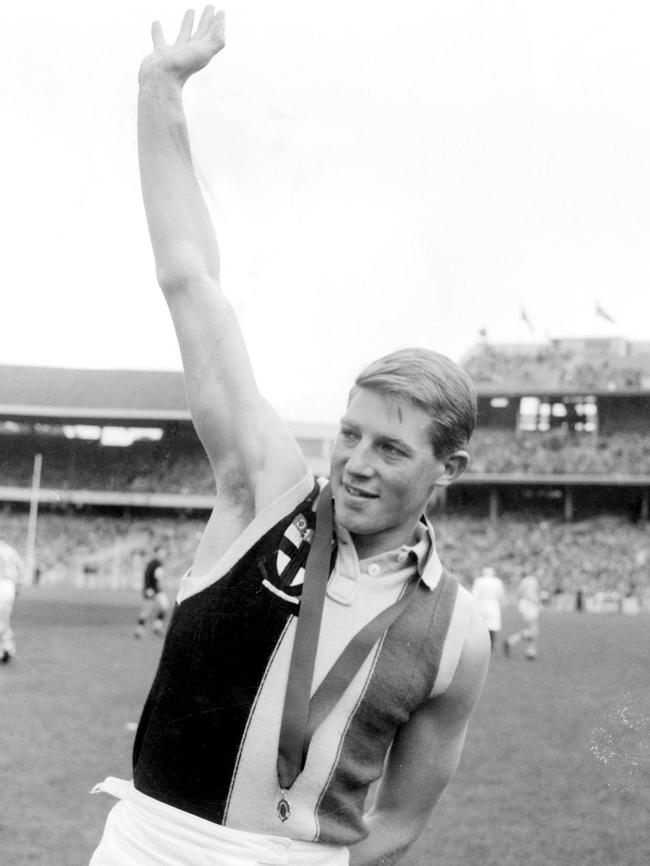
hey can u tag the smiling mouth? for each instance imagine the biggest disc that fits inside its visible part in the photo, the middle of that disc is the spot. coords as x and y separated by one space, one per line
358 493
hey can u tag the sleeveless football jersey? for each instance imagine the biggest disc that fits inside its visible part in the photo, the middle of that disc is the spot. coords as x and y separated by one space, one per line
208 737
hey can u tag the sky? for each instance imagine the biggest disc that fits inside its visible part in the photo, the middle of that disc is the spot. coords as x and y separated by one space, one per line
379 175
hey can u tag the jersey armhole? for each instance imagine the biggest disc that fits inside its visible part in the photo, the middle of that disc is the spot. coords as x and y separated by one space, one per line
455 641
191 584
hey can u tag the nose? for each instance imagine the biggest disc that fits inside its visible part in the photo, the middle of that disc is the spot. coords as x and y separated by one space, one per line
359 462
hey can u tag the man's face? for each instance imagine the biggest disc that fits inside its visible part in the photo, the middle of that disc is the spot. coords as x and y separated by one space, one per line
383 471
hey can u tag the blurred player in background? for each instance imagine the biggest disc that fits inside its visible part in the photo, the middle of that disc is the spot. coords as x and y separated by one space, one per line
529 606
488 592
156 604
12 571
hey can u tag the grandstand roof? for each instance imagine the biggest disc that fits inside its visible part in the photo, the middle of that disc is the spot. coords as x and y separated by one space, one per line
97 395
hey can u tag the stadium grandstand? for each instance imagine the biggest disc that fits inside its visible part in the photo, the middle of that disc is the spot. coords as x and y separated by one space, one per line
98 465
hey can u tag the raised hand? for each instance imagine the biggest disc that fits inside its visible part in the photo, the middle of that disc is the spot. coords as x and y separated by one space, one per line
191 51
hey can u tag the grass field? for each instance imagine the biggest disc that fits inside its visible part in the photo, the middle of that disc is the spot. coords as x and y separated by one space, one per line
556 768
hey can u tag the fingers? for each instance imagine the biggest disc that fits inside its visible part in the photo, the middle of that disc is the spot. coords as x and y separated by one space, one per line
216 31
205 21
187 25
211 24
157 36
219 23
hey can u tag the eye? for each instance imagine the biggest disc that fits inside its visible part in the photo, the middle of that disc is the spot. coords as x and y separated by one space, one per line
391 450
348 435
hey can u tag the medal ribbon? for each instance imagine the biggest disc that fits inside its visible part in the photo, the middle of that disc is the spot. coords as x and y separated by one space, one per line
301 715
303 656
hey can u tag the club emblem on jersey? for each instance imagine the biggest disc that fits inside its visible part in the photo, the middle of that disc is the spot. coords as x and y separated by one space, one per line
290 561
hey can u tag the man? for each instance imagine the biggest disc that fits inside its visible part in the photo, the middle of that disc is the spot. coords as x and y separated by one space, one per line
155 602
264 729
12 569
488 593
529 606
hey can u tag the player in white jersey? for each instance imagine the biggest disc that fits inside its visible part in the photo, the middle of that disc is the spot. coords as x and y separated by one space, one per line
529 606
12 570
489 593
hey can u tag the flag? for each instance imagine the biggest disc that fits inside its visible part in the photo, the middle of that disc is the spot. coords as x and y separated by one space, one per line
604 315
524 318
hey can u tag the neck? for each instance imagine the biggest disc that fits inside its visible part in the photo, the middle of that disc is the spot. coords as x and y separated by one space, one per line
367 546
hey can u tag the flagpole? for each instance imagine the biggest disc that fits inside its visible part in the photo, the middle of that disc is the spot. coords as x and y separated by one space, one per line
33 516
600 311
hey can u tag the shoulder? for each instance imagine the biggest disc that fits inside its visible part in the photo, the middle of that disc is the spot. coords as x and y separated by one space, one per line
467 642
229 536
449 711
468 679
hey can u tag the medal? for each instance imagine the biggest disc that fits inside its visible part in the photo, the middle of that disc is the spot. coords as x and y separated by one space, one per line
284 806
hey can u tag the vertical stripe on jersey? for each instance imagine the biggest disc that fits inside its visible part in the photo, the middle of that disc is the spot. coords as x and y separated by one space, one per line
217 651
402 679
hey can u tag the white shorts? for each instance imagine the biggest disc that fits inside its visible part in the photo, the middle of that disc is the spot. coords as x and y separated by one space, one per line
141 831
529 610
155 605
7 594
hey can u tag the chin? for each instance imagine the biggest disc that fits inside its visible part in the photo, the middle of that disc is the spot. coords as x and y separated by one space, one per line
356 524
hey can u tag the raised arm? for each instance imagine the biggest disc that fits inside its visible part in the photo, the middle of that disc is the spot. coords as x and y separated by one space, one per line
424 759
253 455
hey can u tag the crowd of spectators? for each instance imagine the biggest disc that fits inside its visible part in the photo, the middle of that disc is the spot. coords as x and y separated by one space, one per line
77 464
161 467
601 554
87 550
559 452
605 553
553 366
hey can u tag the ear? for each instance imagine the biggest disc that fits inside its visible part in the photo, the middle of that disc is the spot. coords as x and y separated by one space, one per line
455 465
